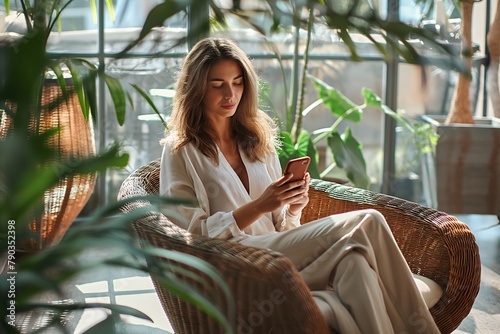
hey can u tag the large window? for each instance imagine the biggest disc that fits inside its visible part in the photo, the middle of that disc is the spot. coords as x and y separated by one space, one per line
99 34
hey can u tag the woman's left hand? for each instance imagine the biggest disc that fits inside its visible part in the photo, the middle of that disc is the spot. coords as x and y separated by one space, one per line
297 206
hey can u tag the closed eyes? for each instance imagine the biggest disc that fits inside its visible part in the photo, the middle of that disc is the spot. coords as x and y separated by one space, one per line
238 82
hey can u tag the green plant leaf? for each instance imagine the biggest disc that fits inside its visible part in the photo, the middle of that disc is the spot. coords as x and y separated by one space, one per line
111 9
33 187
56 68
93 10
337 102
79 87
304 147
112 158
121 309
287 148
303 143
118 96
151 103
190 295
108 326
346 38
371 99
347 153
89 83
157 16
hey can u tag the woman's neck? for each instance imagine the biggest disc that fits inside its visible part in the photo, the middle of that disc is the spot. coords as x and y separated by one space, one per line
221 131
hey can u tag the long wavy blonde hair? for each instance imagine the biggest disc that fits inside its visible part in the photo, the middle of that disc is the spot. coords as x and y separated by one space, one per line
253 130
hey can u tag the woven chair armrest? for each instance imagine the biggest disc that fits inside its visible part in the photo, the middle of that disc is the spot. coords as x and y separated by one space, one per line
268 290
435 244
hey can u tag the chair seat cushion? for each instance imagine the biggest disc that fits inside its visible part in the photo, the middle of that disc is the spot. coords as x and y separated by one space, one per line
429 289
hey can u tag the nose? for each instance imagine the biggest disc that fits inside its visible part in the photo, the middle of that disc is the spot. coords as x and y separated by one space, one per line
228 93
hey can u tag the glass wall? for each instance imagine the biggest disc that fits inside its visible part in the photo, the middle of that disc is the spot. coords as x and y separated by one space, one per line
98 34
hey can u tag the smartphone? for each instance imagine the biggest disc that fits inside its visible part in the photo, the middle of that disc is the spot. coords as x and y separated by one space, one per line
298 167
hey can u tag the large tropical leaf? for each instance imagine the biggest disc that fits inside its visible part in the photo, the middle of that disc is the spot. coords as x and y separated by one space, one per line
347 153
337 103
303 147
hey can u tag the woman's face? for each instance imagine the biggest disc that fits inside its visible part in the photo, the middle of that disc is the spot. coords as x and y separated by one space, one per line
224 89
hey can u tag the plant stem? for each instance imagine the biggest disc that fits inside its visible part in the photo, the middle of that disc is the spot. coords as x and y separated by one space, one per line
29 26
297 128
336 123
327 170
294 85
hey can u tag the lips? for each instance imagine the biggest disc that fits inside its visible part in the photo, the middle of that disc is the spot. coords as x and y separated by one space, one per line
229 106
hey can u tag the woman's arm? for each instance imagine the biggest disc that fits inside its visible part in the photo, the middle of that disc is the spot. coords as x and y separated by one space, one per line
179 179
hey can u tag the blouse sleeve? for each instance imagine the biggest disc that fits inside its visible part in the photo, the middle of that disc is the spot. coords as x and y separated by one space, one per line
179 180
282 218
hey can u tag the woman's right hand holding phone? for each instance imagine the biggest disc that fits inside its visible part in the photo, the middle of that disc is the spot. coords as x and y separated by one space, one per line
276 195
281 192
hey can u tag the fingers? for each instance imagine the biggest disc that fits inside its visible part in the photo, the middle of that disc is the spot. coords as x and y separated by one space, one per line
284 179
307 177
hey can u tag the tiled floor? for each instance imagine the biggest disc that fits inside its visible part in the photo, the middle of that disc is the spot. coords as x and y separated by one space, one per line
484 317
135 289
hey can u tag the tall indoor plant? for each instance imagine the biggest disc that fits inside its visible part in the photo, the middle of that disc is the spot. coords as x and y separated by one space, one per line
466 181
64 101
461 111
301 19
30 166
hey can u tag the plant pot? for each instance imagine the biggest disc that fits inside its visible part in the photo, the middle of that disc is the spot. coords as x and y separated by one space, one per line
63 202
467 166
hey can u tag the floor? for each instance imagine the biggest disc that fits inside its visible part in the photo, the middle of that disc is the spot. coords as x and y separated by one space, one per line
484 317
127 287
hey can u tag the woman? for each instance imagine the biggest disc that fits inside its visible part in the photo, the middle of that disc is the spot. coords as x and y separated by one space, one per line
220 151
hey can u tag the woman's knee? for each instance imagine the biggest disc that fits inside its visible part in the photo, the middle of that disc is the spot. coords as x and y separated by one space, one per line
353 264
354 259
375 214
376 218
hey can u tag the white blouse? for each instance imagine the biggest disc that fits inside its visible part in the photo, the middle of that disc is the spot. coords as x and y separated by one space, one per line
218 190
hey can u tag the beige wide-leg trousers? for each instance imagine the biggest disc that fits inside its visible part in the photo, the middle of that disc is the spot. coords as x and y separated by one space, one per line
356 273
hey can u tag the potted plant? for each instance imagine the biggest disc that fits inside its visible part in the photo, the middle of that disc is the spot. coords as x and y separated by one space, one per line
300 20
467 151
32 167
43 93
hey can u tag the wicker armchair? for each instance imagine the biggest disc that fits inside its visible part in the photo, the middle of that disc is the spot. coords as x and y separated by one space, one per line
436 245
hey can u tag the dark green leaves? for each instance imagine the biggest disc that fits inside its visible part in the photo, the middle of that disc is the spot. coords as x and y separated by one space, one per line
151 104
303 147
157 16
118 95
348 155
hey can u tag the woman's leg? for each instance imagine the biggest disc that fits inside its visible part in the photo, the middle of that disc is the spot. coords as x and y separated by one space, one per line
357 287
318 247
